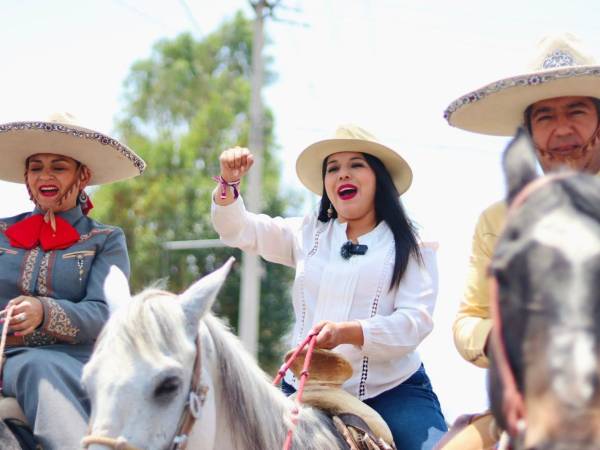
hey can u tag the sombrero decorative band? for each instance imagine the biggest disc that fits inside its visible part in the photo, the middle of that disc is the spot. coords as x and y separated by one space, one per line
78 133
558 59
532 80
561 69
107 158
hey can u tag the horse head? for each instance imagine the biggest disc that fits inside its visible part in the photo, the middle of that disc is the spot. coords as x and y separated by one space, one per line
139 378
546 334
167 374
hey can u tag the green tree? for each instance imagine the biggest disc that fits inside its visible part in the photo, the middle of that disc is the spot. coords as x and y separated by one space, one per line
183 105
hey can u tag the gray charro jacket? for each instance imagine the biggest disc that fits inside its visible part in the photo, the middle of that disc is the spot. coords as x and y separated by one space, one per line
68 282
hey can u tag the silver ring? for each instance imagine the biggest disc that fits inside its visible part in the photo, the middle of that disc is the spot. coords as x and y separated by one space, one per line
22 317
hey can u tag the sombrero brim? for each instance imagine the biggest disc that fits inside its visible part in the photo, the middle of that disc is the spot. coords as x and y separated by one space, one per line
498 107
310 162
107 159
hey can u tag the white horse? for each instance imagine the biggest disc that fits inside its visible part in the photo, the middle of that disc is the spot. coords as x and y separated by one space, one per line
140 377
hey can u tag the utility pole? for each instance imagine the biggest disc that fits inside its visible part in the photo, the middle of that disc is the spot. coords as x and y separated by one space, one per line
251 266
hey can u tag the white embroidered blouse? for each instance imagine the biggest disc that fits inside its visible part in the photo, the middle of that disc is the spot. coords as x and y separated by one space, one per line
328 287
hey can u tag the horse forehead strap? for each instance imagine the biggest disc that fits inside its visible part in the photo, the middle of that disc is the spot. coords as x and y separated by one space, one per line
533 186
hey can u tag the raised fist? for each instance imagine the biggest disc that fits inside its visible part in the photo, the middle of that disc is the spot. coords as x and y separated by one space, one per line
235 163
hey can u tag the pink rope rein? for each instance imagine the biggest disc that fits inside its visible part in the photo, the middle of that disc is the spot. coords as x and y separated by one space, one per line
310 340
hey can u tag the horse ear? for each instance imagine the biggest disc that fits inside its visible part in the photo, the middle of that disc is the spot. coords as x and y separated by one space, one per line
520 163
116 289
199 297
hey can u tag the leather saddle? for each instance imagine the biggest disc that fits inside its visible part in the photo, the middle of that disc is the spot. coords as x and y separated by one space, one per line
10 409
15 431
360 425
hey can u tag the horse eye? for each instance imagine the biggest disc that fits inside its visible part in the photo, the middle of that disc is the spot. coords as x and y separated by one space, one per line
167 387
513 234
501 277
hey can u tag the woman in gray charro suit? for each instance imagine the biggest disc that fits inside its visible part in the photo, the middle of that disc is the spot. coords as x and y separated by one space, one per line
53 262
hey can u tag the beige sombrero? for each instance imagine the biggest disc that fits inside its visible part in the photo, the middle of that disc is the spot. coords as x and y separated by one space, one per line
562 68
107 159
350 138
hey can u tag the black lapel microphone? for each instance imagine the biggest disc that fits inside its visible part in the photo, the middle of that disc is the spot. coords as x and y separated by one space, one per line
349 249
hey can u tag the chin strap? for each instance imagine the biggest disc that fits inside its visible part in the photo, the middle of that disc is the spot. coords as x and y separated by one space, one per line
83 198
50 218
591 143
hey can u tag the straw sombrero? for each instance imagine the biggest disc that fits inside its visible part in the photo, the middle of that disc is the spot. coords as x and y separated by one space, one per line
350 138
562 68
107 159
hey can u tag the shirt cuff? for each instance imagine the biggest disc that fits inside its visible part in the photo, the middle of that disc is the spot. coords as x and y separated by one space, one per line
57 322
368 346
472 348
227 218
235 207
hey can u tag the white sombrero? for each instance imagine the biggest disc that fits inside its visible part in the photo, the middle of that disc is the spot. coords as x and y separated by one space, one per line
107 159
350 138
562 68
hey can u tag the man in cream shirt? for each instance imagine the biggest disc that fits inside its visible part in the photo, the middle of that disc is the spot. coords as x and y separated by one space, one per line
557 101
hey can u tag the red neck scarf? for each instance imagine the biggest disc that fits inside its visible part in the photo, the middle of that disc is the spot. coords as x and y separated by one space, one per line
39 230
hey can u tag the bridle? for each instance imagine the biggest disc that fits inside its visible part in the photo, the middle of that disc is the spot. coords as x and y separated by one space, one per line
513 405
197 397
189 415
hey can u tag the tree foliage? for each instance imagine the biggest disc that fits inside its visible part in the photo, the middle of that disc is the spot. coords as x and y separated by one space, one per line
183 105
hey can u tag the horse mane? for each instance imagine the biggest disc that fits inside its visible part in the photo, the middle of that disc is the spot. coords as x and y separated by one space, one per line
258 414
245 385
147 324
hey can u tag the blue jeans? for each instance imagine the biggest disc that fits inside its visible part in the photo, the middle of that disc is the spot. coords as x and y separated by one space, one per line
411 410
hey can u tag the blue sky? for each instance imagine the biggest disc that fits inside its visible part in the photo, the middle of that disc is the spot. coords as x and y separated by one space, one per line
391 66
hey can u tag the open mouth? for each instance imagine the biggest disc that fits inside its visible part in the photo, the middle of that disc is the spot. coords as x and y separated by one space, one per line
48 191
565 149
347 191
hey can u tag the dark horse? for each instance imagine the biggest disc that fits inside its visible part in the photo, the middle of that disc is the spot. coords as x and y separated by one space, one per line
547 273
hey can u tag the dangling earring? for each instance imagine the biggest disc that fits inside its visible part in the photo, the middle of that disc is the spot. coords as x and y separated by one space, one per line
330 211
85 202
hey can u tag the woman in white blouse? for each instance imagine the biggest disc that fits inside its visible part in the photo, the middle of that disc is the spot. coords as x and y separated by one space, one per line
363 280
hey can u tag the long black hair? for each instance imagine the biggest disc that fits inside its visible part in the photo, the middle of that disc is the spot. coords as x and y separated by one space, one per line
387 208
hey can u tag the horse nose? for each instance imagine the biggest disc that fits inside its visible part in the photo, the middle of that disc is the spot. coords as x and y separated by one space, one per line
98 439
98 447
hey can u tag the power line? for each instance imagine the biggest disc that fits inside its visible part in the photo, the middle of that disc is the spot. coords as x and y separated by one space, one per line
142 14
190 15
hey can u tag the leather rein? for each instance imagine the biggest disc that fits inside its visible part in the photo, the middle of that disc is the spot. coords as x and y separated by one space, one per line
513 404
189 415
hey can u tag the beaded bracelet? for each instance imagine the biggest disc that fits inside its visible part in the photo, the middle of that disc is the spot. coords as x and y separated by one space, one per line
224 184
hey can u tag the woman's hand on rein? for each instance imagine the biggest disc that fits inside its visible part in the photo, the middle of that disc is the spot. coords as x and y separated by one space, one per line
28 314
235 163
331 334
